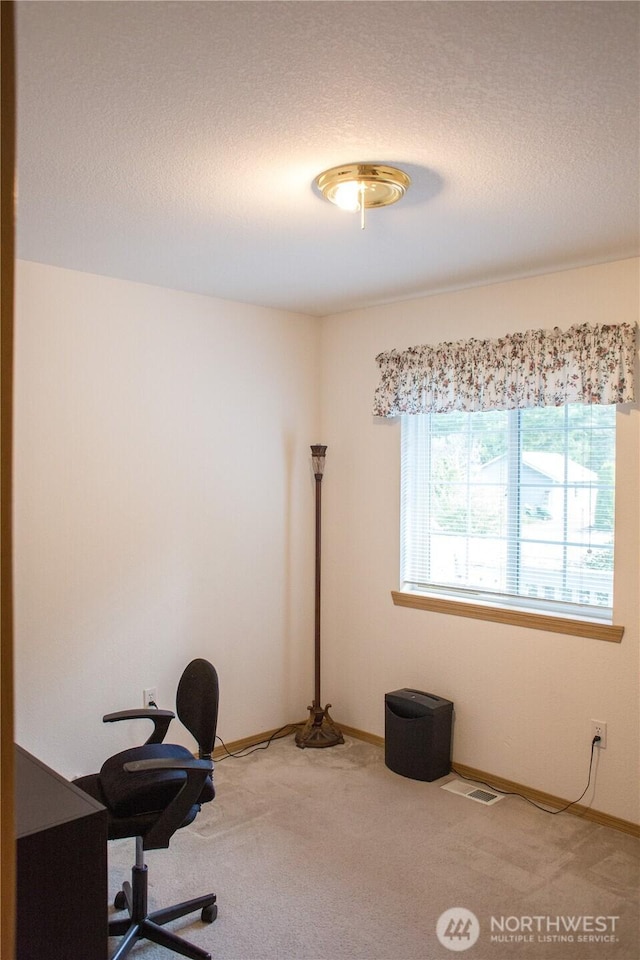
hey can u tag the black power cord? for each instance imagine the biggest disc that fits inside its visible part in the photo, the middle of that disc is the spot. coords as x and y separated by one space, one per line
290 727
512 793
260 745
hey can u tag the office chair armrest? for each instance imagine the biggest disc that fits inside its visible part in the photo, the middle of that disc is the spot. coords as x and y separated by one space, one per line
161 720
168 763
175 814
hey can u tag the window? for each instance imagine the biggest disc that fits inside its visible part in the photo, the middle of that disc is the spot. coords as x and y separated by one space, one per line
513 508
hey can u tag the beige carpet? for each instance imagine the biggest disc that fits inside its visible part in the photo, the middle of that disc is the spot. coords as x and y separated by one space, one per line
327 854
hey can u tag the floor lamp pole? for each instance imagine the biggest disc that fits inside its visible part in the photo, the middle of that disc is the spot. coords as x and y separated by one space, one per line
318 584
319 730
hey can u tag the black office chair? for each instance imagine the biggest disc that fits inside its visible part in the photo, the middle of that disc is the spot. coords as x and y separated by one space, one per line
151 791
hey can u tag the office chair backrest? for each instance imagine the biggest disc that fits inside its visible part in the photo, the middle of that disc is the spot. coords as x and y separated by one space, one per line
197 703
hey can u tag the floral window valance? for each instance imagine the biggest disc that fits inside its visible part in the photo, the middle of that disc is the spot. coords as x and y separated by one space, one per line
536 368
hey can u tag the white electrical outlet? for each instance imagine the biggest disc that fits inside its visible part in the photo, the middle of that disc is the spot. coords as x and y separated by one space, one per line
599 729
149 696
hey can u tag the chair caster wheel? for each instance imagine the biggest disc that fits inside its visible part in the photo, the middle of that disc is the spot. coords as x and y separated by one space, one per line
120 901
209 913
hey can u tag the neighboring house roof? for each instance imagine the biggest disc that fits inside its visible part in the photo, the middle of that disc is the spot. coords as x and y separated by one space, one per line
552 465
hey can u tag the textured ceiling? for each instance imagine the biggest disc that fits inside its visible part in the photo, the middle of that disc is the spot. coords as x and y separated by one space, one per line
176 143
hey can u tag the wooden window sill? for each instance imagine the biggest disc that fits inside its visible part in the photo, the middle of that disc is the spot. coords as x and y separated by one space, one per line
517 618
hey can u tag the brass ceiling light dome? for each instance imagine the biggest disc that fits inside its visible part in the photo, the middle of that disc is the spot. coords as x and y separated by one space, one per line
360 186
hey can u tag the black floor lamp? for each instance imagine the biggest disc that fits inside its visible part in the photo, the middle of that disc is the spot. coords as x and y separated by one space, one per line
319 730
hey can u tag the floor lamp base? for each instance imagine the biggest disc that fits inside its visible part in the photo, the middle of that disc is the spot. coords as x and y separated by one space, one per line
319 730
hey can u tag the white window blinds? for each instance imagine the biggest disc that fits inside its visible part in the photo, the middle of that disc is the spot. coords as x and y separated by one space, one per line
515 507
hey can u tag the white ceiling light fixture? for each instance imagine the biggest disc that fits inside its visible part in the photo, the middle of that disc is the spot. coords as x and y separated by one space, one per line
360 186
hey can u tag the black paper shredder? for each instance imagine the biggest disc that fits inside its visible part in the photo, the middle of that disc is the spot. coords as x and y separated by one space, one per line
417 734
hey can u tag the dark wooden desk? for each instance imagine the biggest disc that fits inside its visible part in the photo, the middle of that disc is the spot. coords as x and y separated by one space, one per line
61 869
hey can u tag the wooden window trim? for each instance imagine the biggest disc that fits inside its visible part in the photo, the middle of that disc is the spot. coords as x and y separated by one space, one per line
516 618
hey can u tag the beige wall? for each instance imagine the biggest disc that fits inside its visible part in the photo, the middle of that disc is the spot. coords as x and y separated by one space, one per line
157 433
163 507
523 699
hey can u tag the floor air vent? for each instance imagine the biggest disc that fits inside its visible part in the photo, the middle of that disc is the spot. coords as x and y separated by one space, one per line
479 794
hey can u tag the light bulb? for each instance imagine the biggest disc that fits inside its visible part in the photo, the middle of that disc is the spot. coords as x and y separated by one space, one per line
347 195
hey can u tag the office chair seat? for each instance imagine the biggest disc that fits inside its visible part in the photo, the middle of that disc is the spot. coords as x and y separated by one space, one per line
135 800
153 790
